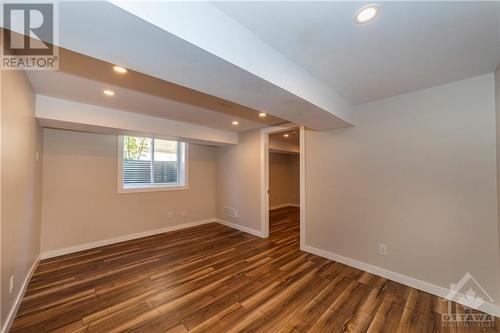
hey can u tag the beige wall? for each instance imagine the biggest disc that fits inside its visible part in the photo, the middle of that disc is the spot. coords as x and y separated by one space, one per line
282 146
497 117
80 199
418 172
21 184
295 178
238 180
283 179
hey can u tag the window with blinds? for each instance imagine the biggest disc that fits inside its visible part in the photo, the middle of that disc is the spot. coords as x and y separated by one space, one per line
152 163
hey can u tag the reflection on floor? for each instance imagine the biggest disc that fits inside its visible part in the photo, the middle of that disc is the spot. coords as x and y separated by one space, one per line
212 278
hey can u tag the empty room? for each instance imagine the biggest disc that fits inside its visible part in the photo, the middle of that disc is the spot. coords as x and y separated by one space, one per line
250 166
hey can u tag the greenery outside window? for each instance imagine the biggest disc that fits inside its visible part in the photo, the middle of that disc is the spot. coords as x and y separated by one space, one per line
151 164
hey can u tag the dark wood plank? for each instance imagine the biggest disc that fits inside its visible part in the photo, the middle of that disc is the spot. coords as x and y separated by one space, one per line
212 278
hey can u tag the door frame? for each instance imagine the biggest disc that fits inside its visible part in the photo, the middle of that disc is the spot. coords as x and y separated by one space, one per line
264 177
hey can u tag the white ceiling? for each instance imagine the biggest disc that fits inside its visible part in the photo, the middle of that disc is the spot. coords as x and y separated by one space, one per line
74 88
410 45
142 36
294 60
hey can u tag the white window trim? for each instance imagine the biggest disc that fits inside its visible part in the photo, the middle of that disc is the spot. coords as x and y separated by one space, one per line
183 168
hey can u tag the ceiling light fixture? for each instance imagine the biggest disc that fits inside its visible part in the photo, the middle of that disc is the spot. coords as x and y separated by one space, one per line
235 123
366 14
120 69
109 92
286 135
262 115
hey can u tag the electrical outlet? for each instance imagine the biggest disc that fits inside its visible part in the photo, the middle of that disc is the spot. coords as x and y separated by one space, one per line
383 249
11 285
183 213
170 215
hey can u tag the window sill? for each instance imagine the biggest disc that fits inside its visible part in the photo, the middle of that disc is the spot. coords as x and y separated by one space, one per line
140 189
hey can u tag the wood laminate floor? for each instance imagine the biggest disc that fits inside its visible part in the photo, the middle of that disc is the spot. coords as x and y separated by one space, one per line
212 278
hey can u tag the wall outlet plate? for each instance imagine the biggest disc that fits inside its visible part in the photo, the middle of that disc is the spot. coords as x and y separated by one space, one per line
383 249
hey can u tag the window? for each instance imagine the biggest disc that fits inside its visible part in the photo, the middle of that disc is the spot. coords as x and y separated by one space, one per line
150 164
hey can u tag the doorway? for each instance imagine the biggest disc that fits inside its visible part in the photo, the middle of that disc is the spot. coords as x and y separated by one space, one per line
282 160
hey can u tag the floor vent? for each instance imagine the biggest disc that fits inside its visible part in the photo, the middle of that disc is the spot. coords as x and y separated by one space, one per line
230 211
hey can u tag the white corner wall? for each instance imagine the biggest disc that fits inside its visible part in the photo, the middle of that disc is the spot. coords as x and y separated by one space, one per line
417 173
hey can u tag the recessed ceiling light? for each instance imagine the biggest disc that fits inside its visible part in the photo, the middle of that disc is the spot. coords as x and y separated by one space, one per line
366 14
286 135
109 92
235 123
262 115
120 69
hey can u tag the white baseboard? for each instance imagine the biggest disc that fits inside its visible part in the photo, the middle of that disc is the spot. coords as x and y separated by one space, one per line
13 311
283 206
241 228
487 307
87 246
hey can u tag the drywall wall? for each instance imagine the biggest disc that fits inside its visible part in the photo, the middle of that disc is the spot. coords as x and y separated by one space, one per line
294 169
282 146
21 185
238 180
417 173
80 200
63 114
497 117
283 179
